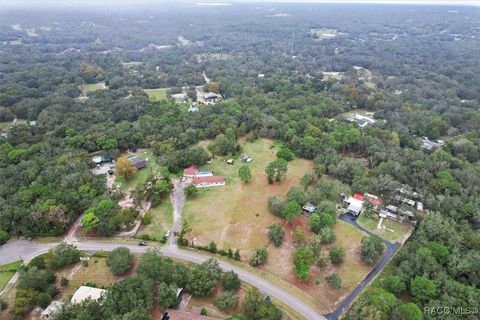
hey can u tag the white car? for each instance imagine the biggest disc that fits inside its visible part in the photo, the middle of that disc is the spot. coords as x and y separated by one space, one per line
184 179
169 232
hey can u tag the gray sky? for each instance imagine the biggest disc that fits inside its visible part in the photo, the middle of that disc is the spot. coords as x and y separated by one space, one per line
129 2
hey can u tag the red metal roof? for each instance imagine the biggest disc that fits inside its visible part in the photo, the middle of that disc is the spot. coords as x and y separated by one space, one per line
371 198
358 196
190 171
212 179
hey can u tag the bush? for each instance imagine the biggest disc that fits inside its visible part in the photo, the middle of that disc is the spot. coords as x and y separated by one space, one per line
4 236
276 206
394 284
120 260
203 312
43 300
3 304
38 262
167 297
226 300
337 255
259 256
230 281
52 291
276 234
63 255
334 281
147 218
85 263
190 191
327 235
323 259
64 282
408 311
303 259
422 288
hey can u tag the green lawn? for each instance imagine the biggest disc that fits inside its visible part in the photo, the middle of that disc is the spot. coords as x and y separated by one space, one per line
5 126
161 222
92 87
156 94
398 230
7 271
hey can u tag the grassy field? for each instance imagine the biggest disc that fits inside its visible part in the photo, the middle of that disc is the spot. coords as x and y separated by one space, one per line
7 271
236 215
397 231
156 94
161 222
92 87
5 126
141 175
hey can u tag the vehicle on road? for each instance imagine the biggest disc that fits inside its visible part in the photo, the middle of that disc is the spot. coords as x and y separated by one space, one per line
169 233
142 243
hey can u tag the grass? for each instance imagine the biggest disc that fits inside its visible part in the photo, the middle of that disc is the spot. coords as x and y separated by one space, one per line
92 87
7 271
141 175
5 125
398 233
162 220
156 94
236 215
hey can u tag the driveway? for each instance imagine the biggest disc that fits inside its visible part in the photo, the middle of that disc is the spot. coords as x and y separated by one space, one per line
391 249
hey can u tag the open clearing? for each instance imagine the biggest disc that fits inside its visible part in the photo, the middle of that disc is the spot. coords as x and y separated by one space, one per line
156 94
162 220
393 231
92 87
7 271
236 215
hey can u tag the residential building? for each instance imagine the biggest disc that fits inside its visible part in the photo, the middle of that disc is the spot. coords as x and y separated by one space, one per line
355 206
190 172
362 121
309 208
428 144
51 310
211 181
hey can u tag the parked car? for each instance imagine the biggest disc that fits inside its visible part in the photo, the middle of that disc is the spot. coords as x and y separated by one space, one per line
142 243
169 233
184 179
110 171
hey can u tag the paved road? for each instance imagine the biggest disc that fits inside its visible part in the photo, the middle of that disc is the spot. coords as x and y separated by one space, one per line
391 249
27 250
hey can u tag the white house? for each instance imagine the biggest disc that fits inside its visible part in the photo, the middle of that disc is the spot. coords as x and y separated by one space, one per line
83 293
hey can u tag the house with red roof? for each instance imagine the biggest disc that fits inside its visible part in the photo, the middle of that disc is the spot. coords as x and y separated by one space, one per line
190 172
208 181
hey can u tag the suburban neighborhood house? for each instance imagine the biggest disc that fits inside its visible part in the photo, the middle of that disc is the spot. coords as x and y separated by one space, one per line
362 121
83 293
203 178
194 314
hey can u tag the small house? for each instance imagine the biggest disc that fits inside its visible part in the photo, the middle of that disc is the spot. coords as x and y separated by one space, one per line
204 173
309 208
101 159
355 206
362 121
211 181
212 96
230 162
179 96
137 162
429 145
83 293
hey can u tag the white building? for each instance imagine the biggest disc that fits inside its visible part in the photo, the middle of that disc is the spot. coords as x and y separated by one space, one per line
83 293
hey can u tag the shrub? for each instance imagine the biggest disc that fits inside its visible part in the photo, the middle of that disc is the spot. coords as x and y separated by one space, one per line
120 260
276 206
259 256
147 218
85 263
3 304
167 297
230 281
334 281
38 262
276 234
63 255
371 249
303 259
394 284
337 255
52 291
226 300
327 235
4 236
43 300
64 282
203 312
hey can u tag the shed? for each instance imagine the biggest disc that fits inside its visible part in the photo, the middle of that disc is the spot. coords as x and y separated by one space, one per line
309 207
83 293
52 309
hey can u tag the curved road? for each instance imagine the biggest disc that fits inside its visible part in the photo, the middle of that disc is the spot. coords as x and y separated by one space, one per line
27 250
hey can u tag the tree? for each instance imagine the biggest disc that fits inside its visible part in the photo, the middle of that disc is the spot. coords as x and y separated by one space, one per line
276 234
334 281
24 299
190 190
259 256
407 311
226 300
276 170
291 211
120 260
337 255
167 297
244 173
4 236
64 254
35 279
276 206
303 259
320 221
323 259
230 281
422 288
371 249
203 278
394 284
90 220
256 308
43 300
285 153
125 167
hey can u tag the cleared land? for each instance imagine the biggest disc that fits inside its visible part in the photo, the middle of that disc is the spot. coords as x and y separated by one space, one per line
236 215
162 220
393 231
92 87
7 271
156 94
6 125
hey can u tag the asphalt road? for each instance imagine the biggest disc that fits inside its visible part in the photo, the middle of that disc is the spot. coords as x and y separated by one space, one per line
391 249
27 250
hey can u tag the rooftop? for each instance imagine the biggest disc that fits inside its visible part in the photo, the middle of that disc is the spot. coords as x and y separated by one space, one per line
84 292
211 179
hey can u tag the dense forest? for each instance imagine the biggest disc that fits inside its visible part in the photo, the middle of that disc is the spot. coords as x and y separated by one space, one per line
416 67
